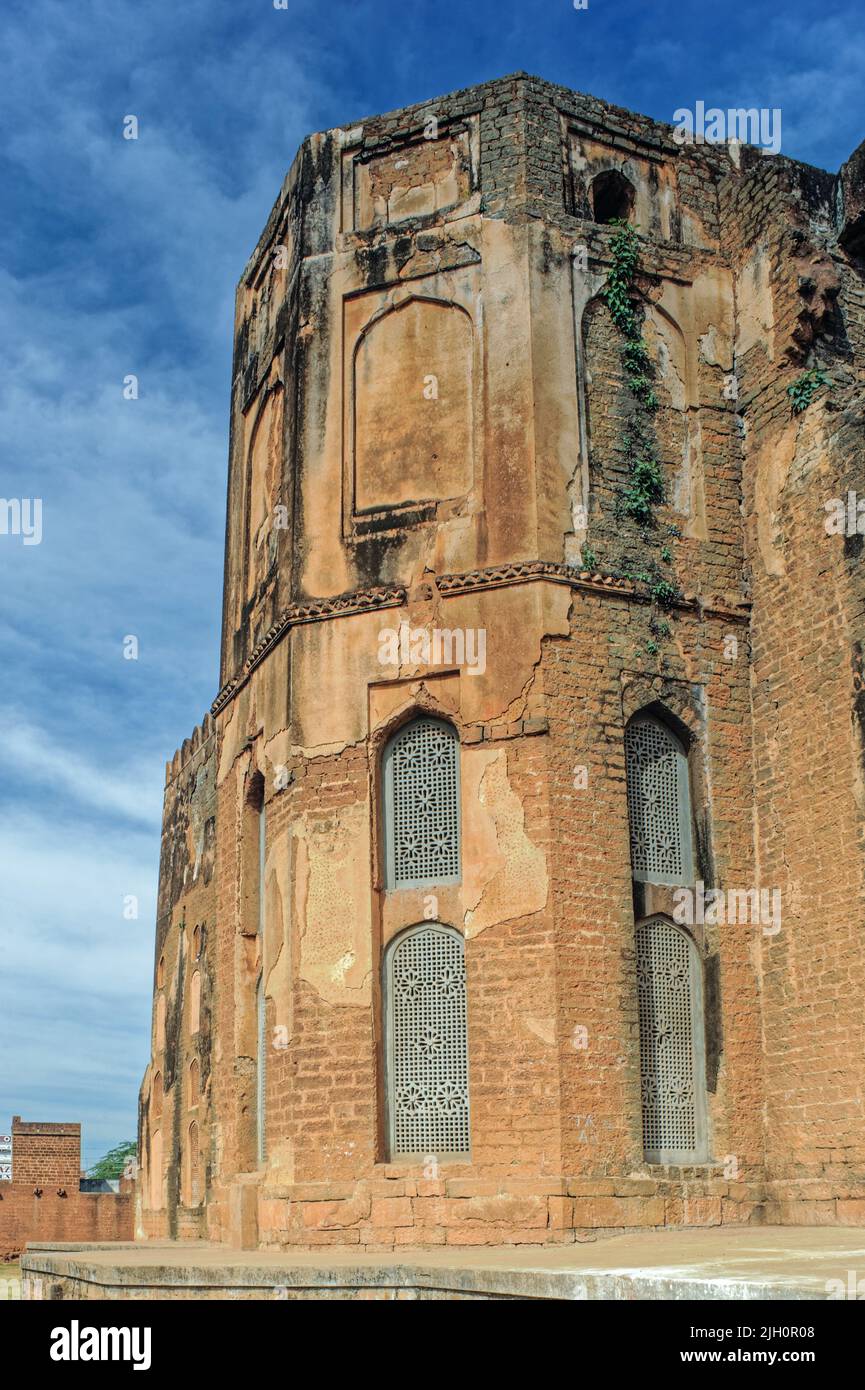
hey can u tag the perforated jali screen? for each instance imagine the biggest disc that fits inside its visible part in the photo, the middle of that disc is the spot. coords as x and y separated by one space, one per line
653 761
422 805
428 1054
667 1061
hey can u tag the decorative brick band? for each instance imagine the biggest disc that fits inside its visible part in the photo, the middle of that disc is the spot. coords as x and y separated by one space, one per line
493 577
342 606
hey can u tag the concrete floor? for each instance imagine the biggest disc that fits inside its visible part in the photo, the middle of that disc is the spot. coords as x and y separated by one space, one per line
718 1262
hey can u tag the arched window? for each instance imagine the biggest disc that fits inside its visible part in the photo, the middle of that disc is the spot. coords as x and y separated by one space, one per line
196 941
261 1071
659 803
195 1002
192 1193
254 915
672 1066
160 1023
426 1043
422 805
160 973
156 1173
194 1084
612 196
156 1096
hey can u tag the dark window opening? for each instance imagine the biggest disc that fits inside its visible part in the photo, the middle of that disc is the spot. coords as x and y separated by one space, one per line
612 197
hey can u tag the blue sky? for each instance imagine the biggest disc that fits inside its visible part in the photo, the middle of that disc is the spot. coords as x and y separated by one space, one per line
121 257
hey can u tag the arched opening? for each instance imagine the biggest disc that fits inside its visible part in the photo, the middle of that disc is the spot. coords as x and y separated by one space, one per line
249 1031
426 1043
419 353
156 1096
255 791
612 197
194 1082
262 481
261 1072
672 1061
192 1166
421 813
659 802
195 1002
156 1173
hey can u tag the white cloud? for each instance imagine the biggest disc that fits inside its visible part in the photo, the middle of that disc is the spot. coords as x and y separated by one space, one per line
134 792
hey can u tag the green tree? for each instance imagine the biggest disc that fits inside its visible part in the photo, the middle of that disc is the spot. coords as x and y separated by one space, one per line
113 1163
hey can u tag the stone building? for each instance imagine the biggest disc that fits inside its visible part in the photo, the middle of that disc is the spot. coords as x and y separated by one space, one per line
514 883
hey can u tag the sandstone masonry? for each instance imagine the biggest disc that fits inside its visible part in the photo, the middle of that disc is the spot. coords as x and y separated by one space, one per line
443 421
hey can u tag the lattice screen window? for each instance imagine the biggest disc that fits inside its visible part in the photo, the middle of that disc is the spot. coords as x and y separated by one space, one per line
659 805
261 1072
669 992
422 805
427 1046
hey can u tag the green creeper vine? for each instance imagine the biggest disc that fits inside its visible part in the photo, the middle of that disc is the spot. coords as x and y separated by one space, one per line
645 487
805 387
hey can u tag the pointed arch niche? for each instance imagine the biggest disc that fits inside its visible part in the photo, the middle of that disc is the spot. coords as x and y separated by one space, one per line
412 383
262 476
672 1061
426 1043
600 368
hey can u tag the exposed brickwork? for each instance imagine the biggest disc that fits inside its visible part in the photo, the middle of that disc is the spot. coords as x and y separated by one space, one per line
807 625
46 1154
186 924
468 222
82 1216
43 1202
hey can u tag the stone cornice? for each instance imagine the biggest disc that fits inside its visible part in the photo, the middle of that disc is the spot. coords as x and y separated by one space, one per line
383 596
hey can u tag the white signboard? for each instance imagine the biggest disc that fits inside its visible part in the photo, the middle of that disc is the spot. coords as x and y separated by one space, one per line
5 1157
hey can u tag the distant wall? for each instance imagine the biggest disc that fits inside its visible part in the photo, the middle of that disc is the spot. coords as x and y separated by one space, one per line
46 1153
77 1216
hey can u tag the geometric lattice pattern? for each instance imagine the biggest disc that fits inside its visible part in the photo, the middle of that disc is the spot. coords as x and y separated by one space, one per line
652 765
428 1091
667 1054
424 820
261 1072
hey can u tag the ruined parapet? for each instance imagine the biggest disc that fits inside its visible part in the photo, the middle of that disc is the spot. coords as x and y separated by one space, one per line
189 748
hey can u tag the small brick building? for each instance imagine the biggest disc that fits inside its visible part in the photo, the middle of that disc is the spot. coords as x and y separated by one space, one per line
43 1201
45 1154
515 882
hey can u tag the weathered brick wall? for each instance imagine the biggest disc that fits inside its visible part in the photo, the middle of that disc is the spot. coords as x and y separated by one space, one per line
77 1216
46 1154
808 609
176 1090
594 682
751 644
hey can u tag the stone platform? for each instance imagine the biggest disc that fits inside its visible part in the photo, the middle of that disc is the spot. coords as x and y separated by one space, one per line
774 1262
